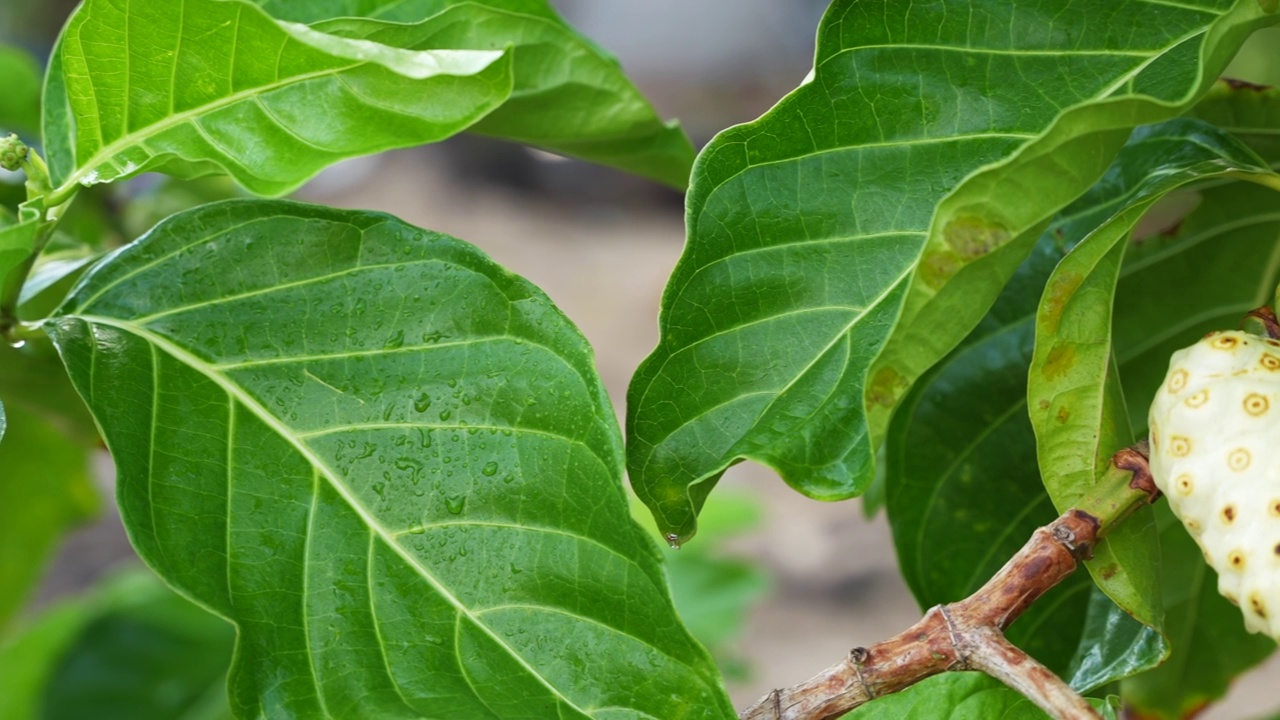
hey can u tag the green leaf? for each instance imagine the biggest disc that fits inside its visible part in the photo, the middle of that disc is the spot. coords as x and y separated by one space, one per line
1210 644
897 189
132 650
45 490
570 96
958 696
1074 396
389 461
1112 645
1249 112
16 243
201 86
20 101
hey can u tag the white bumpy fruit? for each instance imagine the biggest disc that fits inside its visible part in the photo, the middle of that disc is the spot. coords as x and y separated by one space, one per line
1215 454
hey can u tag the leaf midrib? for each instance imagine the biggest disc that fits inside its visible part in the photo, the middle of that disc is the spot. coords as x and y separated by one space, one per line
322 469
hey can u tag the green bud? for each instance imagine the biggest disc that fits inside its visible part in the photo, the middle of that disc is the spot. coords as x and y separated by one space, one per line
13 153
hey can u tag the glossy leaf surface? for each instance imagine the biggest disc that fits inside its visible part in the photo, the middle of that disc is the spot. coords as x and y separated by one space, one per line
570 96
44 491
130 650
390 462
1075 399
201 86
820 230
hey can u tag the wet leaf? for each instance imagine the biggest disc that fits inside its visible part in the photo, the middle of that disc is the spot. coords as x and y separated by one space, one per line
890 197
389 461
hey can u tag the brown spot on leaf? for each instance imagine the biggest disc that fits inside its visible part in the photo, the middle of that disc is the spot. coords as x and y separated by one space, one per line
1236 84
885 386
1109 571
972 237
937 267
1063 415
1060 291
1060 359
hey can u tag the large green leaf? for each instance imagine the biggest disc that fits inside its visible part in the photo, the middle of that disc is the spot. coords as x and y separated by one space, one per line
44 491
131 650
899 188
193 87
20 101
390 462
1074 395
570 96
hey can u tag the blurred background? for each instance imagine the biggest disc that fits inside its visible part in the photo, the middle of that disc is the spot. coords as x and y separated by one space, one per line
802 582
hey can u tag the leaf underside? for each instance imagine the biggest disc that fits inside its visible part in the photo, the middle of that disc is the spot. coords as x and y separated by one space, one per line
819 232
388 461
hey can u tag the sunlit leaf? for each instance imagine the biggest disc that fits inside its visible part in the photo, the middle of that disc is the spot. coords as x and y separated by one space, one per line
389 461
570 96
200 86
890 196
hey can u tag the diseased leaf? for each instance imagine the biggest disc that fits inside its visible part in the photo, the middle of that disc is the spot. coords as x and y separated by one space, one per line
389 461
570 96
194 87
961 465
890 196
132 650
20 101
44 491
1074 395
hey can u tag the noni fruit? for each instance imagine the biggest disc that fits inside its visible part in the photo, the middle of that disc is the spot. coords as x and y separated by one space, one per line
1215 454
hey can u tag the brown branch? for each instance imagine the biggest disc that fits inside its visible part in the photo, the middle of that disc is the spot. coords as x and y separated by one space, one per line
958 636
